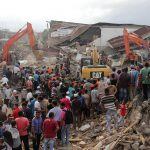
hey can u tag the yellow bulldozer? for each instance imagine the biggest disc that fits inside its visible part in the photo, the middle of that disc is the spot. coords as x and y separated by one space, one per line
91 67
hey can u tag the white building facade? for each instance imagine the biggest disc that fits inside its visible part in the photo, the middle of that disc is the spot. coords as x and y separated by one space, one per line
109 32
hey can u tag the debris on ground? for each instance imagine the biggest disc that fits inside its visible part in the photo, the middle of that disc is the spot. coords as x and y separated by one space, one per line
134 135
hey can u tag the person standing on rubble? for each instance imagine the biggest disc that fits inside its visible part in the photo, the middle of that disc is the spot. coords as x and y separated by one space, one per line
22 126
95 100
108 104
76 110
145 74
123 84
133 81
67 120
36 130
50 129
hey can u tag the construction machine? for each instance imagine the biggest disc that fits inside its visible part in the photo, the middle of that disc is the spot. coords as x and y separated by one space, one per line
91 67
24 30
132 37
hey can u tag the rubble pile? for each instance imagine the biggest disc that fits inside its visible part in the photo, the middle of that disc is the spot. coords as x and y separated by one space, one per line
135 135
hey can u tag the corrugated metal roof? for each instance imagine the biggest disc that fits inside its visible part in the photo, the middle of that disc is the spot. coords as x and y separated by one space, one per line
115 24
142 31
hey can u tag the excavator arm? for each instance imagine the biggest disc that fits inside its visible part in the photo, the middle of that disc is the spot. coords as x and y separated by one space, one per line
28 30
131 37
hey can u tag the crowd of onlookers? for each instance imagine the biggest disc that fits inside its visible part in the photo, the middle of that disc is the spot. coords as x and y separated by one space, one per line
41 105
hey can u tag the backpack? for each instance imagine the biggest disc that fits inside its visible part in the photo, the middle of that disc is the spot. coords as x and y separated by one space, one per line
68 117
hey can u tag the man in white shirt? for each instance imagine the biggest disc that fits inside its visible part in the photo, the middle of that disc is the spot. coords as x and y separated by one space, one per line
29 95
16 69
67 95
8 92
37 104
4 80
56 110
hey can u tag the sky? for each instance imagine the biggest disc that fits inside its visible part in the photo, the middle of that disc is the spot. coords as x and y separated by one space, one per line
15 13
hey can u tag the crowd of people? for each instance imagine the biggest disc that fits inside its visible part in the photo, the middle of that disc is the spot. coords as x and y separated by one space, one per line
41 105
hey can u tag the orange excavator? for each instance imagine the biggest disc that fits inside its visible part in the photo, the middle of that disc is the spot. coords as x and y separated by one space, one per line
132 37
28 30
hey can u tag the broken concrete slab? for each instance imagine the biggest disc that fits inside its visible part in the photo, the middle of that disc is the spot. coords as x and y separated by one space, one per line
135 146
82 144
84 127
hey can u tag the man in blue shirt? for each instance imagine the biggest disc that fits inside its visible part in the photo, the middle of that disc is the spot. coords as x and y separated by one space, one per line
133 81
36 80
37 129
31 106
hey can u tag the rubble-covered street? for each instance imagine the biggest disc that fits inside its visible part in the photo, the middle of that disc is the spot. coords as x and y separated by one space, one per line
75 75
134 135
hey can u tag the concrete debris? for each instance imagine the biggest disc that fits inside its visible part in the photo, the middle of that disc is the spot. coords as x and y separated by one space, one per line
94 135
97 130
146 131
76 147
82 144
75 140
142 147
135 146
134 135
85 127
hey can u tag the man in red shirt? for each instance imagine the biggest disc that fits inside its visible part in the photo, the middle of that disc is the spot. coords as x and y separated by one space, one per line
66 101
50 128
16 110
22 126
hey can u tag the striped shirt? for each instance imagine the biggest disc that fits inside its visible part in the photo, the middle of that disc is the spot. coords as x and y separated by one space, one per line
109 102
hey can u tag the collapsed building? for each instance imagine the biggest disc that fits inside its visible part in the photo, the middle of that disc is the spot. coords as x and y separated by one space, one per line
106 37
